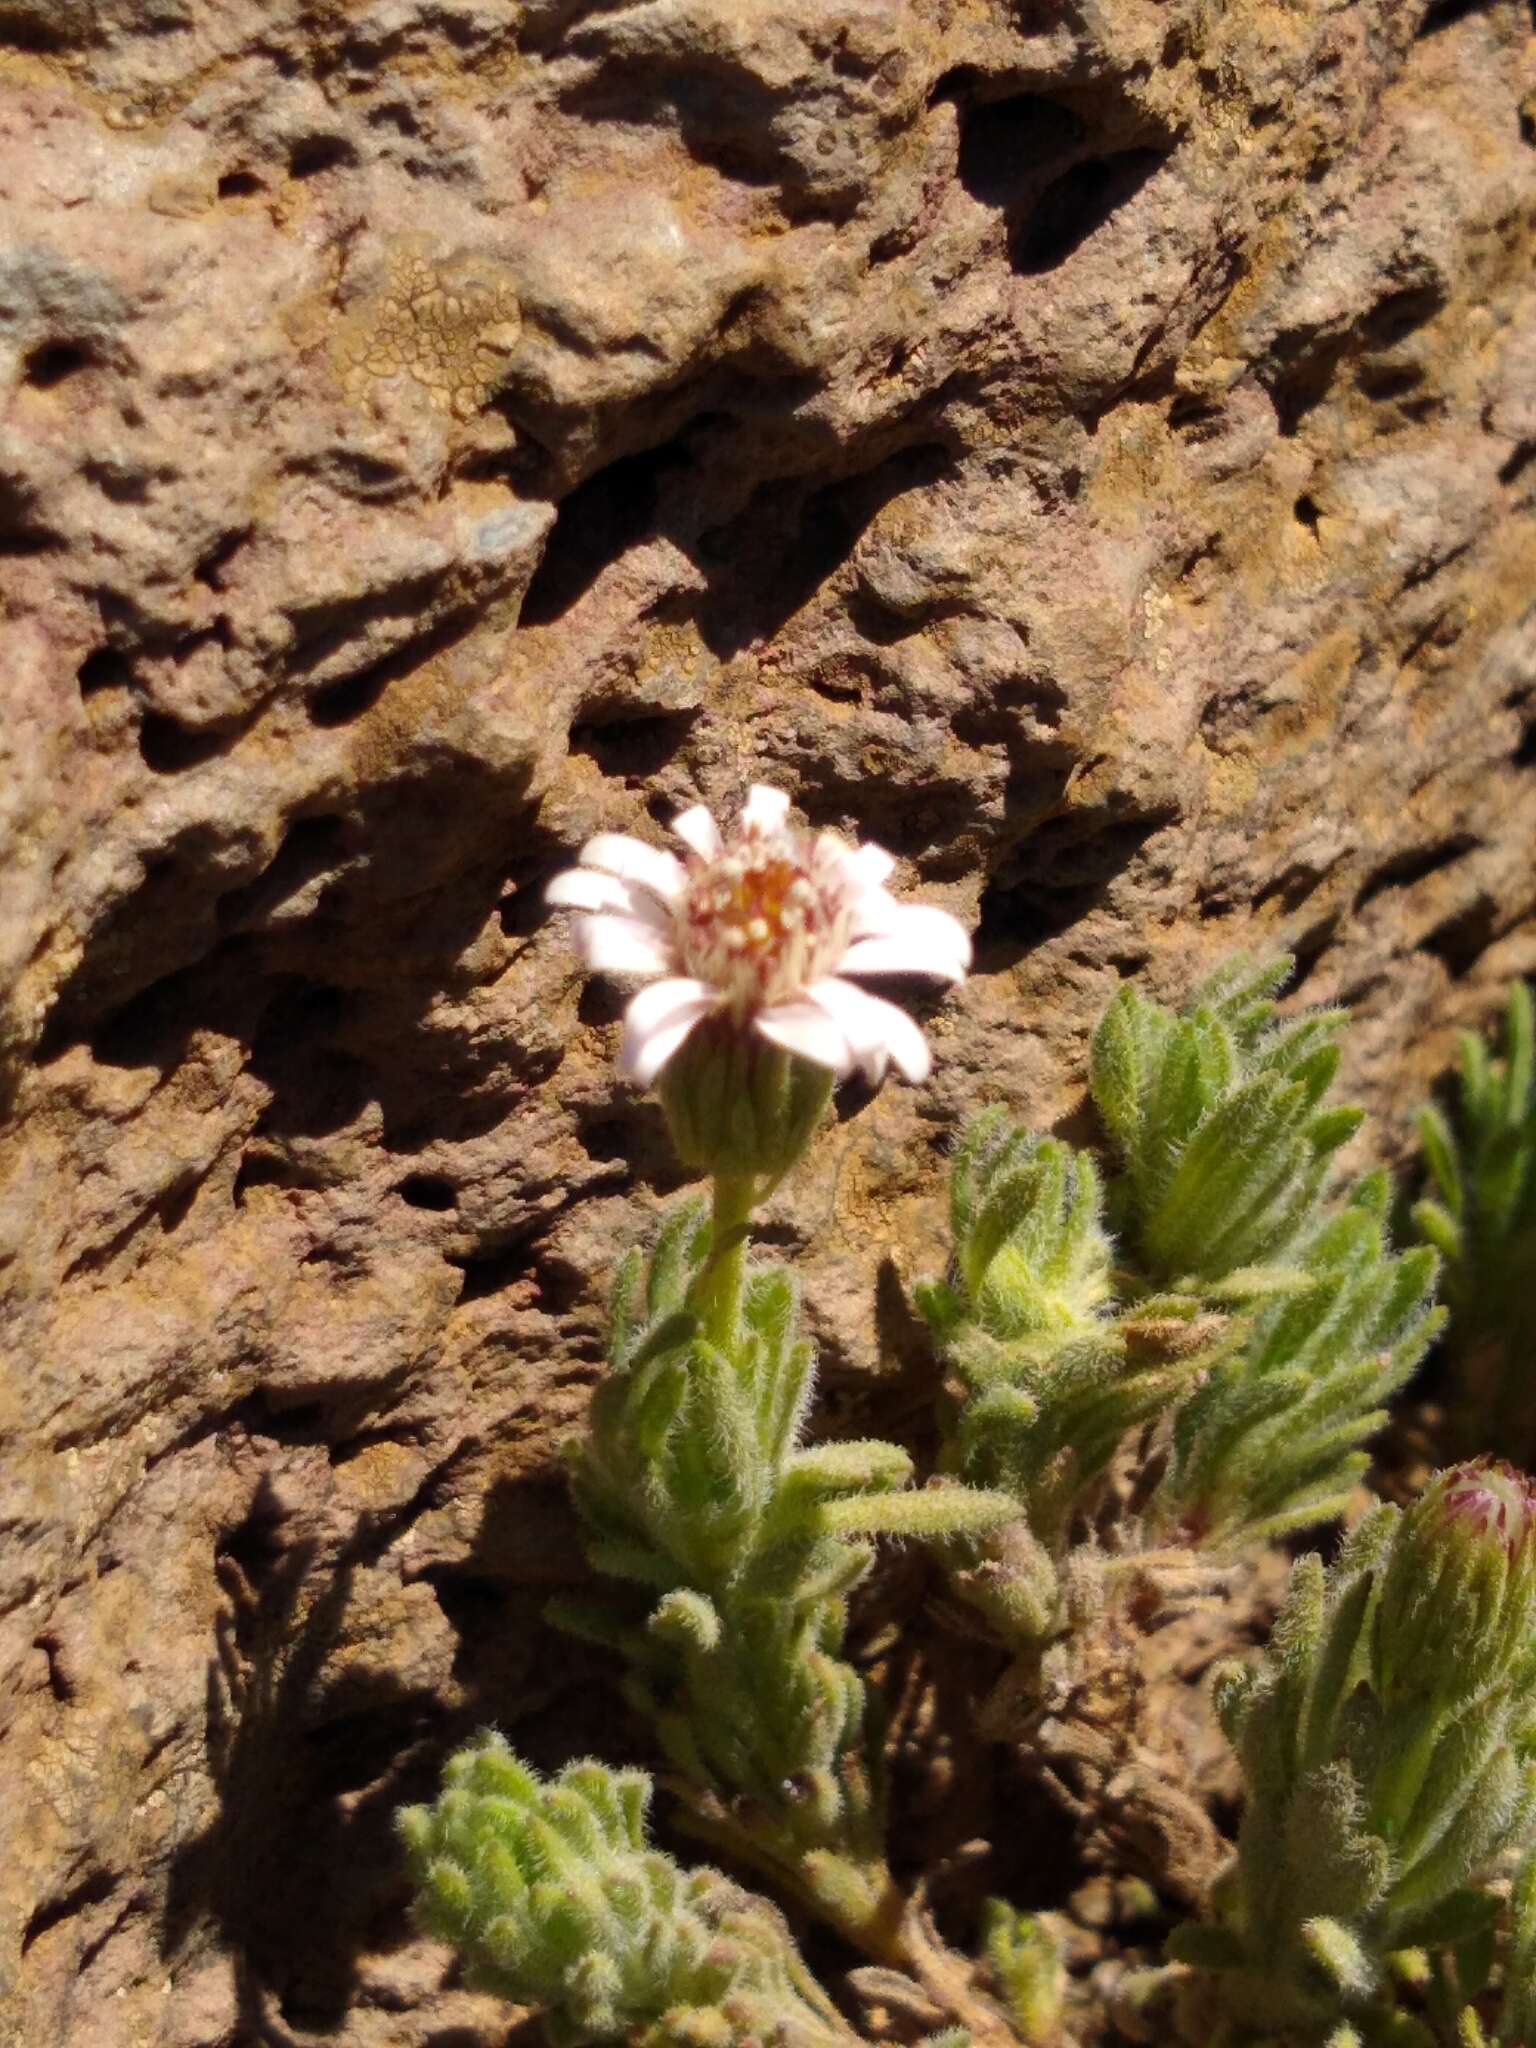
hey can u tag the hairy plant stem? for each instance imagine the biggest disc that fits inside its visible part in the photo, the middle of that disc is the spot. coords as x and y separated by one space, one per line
717 1292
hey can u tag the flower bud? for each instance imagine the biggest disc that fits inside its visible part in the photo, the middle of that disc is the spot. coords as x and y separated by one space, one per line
1458 1597
739 1105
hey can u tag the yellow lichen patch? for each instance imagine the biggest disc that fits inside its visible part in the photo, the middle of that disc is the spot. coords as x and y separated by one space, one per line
448 327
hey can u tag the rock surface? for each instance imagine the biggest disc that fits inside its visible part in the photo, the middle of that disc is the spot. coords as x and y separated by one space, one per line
1085 444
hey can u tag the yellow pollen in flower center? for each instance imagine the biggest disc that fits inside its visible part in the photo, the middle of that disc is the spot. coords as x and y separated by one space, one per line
762 905
755 923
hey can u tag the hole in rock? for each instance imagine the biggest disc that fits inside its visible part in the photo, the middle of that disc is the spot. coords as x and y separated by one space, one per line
1306 512
624 746
239 185
105 669
1396 380
427 1191
261 1170
166 748
24 31
397 115
1517 462
317 153
1445 13
1524 755
1079 203
597 522
1007 145
28 541
54 361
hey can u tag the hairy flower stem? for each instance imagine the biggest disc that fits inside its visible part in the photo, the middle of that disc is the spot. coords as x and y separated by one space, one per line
717 1293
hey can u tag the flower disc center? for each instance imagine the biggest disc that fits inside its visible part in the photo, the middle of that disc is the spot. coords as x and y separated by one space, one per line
762 921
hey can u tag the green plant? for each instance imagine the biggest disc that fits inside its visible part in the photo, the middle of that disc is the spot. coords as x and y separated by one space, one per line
1481 1218
1239 1341
1388 1746
741 1544
553 1897
1155 1364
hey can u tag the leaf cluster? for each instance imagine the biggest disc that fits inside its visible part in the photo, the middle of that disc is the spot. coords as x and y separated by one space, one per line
1376 1805
553 1897
1481 1218
1210 1308
740 1545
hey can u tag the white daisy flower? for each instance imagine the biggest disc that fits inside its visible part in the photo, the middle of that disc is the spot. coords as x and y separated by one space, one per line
764 927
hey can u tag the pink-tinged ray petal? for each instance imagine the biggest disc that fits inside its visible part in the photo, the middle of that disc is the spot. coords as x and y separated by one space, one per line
765 811
655 1006
647 1048
858 1017
870 865
803 1028
698 831
919 927
621 945
586 889
633 861
876 1029
933 944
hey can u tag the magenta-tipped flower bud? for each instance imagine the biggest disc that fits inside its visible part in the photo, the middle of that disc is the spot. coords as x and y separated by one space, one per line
1458 1601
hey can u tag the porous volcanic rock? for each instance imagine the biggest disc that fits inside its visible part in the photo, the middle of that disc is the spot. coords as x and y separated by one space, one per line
1085 444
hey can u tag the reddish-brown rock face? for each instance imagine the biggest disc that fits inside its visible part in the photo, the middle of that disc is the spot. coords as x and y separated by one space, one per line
1084 444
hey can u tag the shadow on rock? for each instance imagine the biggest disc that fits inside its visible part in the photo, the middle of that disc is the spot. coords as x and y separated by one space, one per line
297 1871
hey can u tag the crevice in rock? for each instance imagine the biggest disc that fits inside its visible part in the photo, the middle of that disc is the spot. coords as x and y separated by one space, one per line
1461 939
599 521
769 563
428 1191
1417 864
1077 205
348 697
58 1683
262 1169
213 563
92 1890
1053 878
1445 13
311 847
632 745
1009 146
